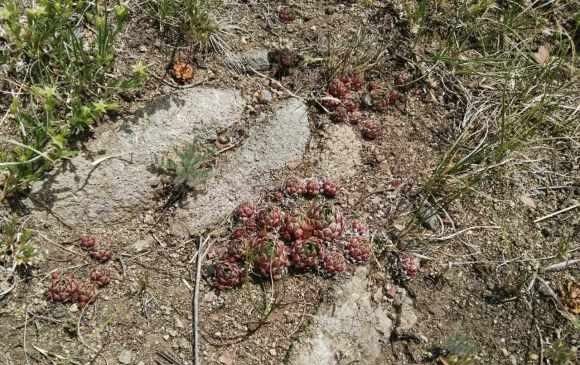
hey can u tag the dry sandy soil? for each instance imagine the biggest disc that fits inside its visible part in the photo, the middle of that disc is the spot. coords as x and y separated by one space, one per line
481 289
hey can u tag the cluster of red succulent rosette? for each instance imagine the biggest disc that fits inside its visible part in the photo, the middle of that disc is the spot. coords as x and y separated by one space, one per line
69 289
343 100
311 234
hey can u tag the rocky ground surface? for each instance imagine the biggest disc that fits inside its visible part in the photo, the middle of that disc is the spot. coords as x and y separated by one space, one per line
463 293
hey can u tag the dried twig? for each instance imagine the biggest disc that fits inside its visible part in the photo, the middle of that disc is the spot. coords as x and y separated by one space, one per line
577 205
462 231
24 336
561 265
277 83
201 252
80 337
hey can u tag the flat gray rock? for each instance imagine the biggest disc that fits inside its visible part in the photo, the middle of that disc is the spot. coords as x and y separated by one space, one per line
350 328
270 146
256 59
86 191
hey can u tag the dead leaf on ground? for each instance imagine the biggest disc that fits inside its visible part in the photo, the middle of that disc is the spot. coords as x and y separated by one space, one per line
542 55
571 297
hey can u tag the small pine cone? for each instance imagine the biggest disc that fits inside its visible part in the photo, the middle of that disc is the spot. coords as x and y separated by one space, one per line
228 274
340 115
88 242
329 188
294 186
100 277
338 89
371 130
101 256
182 72
305 254
312 188
272 259
245 211
358 250
333 262
270 219
409 266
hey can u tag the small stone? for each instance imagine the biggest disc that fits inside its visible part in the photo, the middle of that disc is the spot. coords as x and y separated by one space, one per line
183 343
366 100
166 337
528 201
255 59
125 357
74 308
148 218
227 358
505 352
273 352
172 332
378 295
265 97
142 245
179 323
429 217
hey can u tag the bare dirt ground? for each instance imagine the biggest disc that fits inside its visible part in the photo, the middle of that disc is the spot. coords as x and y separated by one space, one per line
484 287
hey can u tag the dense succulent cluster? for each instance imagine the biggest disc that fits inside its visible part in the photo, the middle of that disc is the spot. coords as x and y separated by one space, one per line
100 277
302 230
96 250
409 266
69 289
347 96
342 98
358 250
228 274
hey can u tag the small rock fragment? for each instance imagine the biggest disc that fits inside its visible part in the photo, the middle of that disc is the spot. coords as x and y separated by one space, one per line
265 97
142 245
227 358
125 357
